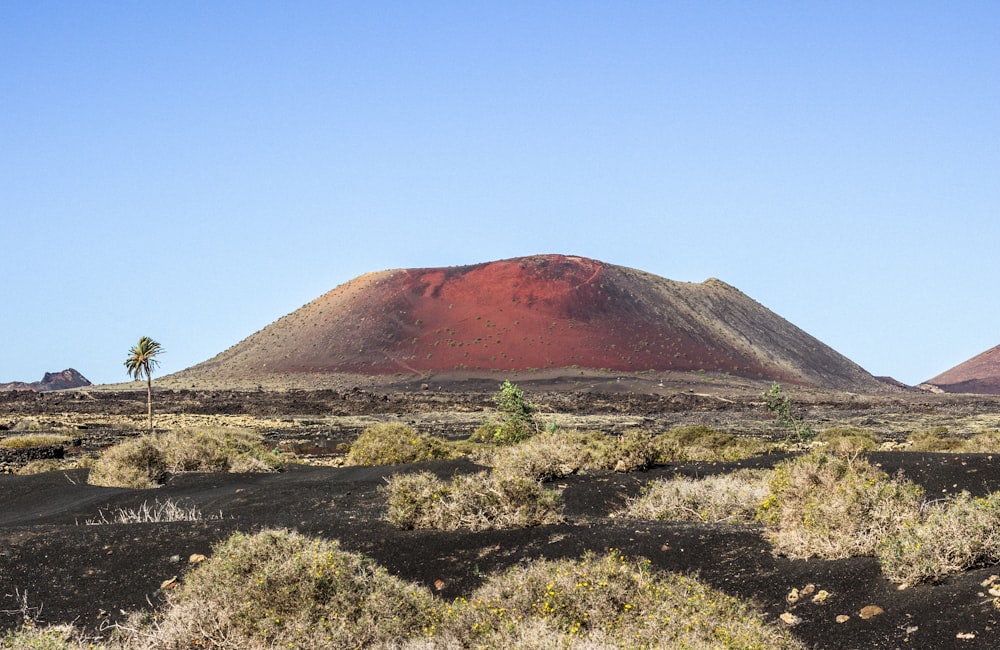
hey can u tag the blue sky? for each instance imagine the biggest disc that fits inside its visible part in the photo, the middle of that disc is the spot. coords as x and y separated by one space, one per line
193 171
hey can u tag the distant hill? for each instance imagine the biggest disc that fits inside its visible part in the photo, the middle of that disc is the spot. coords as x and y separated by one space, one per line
533 313
980 374
68 378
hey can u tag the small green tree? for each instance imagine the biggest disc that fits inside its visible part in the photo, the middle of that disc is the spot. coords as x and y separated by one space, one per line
140 363
514 420
779 404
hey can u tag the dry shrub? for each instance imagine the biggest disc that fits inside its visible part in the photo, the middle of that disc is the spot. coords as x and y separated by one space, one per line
217 449
394 444
281 589
948 537
987 442
478 501
732 497
843 440
605 601
144 462
135 463
634 450
834 506
39 466
552 454
699 442
27 440
156 512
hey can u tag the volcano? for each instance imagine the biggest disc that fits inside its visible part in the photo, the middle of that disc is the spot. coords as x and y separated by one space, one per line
980 374
535 313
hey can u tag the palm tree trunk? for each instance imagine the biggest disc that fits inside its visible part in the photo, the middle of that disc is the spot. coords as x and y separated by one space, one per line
149 401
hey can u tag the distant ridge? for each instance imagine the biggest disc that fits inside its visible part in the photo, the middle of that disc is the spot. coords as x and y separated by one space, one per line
68 378
542 312
980 374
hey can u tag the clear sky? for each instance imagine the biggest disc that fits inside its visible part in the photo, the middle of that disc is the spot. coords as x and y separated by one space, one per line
193 171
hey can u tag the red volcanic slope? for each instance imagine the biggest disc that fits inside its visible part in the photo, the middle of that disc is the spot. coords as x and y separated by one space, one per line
543 312
980 374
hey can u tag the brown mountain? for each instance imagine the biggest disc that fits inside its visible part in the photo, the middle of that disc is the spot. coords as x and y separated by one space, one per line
68 378
980 374
534 313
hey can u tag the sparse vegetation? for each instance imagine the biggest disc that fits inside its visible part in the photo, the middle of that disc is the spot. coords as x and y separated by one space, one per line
478 501
395 444
633 451
845 440
731 498
938 440
834 506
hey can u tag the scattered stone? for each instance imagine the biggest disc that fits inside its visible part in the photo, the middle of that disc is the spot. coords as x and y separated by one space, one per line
169 584
965 635
808 589
196 558
789 618
439 584
174 559
871 611
992 580
843 618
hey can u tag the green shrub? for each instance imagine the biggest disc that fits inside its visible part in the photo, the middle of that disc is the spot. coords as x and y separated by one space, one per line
948 537
552 455
469 501
605 601
732 497
829 506
135 463
281 589
513 421
394 444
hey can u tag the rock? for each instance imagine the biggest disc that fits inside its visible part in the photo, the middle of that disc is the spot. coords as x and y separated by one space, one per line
965 635
196 558
789 618
843 618
821 596
871 611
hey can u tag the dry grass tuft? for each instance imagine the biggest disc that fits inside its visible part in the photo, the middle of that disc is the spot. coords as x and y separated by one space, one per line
553 454
478 501
28 440
732 498
699 442
157 512
845 440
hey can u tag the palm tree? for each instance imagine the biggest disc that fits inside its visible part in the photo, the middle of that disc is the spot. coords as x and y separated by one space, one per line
140 363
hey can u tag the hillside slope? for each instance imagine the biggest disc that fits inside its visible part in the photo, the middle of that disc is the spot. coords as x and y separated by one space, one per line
980 374
534 313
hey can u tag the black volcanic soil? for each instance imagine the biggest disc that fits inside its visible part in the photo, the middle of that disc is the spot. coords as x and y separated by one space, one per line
72 572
